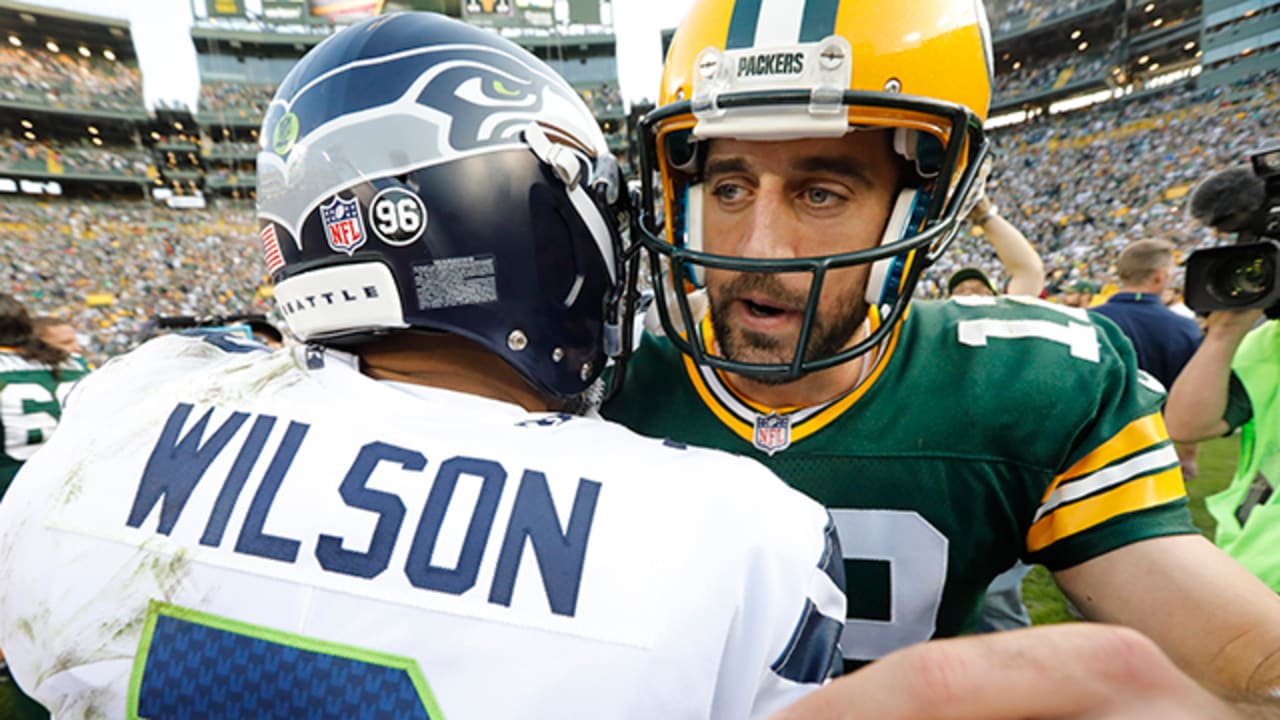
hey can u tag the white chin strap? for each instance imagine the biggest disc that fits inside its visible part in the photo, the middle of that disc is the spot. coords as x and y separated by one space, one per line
569 166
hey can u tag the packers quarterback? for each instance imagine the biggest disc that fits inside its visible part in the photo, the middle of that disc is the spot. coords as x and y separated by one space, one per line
806 163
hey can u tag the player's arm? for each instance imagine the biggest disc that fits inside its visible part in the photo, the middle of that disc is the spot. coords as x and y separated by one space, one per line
1019 258
1216 620
1114 527
1064 672
1197 403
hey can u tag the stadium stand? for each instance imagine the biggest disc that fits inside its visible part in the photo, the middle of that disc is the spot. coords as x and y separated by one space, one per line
1083 185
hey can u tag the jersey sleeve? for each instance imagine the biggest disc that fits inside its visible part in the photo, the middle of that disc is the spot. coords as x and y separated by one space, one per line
785 640
1120 481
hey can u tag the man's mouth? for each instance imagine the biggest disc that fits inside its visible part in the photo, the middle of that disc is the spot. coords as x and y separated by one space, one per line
760 309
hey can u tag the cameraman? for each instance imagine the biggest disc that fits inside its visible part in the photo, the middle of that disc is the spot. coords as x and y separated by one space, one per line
1233 381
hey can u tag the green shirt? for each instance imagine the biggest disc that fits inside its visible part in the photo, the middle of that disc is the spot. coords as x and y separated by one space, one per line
1255 541
989 430
30 407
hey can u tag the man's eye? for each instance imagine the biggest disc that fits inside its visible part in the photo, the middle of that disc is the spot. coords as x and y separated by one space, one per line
820 196
727 191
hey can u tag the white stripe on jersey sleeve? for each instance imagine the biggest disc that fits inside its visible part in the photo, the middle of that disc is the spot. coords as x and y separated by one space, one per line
1114 475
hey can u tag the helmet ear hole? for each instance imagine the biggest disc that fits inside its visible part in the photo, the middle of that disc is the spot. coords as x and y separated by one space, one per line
923 150
683 153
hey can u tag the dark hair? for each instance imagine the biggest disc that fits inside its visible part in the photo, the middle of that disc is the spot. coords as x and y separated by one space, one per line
18 332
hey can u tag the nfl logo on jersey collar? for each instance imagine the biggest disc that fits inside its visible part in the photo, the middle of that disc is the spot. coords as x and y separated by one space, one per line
342 224
773 432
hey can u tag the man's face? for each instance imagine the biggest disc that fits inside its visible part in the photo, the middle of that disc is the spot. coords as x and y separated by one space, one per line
972 286
793 199
62 337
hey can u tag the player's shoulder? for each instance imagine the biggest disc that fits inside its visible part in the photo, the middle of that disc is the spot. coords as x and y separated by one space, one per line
652 371
977 321
12 362
654 356
967 307
175 360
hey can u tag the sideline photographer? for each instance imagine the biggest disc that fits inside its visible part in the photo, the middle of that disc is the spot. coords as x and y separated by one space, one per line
1233 380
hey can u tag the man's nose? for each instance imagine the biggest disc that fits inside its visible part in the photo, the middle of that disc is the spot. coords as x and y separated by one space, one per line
771 228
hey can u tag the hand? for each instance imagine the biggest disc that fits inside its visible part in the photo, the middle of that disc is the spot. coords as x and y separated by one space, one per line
1231 324
980 210
1079 671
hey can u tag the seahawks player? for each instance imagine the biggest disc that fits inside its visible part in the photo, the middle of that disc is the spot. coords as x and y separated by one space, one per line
815 157
402 519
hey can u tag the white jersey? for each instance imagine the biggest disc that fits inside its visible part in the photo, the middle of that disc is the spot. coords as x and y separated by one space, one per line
219 531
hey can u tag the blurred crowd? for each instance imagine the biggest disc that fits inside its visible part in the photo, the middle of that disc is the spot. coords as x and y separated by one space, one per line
112 267
605 98
245 99
23 154
1008 15
1055 72
1083 185
66 79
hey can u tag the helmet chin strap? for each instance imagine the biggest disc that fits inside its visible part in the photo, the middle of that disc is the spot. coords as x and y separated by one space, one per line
568 166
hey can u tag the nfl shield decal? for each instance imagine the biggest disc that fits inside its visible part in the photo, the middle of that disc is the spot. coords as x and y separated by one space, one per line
342 224
773 432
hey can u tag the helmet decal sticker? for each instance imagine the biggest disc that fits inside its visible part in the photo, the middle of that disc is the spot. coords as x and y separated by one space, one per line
451 282
397 217
342 224
285 133
271 247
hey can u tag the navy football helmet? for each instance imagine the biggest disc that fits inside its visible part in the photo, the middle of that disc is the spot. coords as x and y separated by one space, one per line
418 173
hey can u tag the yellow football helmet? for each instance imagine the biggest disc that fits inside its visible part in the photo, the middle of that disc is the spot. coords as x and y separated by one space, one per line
788 69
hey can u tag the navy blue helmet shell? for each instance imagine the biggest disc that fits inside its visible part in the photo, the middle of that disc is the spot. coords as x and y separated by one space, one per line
416 172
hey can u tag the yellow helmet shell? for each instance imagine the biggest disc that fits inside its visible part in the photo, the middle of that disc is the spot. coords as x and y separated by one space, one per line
935 49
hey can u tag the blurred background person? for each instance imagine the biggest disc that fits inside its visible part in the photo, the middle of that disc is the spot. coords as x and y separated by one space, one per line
1020 260
59 333
1233 382
1079 294
1163 339
34 377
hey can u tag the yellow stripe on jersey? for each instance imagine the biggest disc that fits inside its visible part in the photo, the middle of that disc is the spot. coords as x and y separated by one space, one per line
1137 494
745 428
1137 435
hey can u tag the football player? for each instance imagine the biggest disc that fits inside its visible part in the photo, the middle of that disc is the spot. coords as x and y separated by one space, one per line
402 518
34 378
814 159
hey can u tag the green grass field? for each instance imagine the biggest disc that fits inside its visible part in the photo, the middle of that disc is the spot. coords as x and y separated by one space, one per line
1045 603
1217 463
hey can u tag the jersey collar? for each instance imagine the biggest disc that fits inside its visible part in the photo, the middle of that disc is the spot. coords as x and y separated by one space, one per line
771 429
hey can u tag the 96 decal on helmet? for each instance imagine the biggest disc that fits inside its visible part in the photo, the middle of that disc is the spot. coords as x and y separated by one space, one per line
418 173
776 70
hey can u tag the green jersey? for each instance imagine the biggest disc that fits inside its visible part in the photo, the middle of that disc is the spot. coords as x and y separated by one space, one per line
987 430
30 406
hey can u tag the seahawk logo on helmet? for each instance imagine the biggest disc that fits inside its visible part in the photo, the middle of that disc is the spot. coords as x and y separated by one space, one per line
486 184
440 102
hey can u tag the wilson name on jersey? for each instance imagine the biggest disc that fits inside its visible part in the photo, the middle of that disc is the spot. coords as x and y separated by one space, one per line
251 530
988 430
